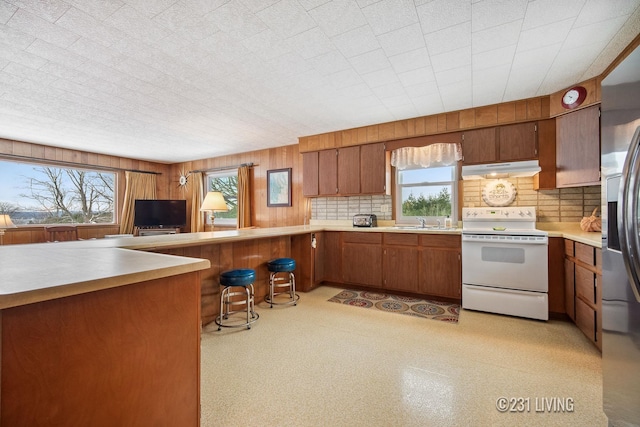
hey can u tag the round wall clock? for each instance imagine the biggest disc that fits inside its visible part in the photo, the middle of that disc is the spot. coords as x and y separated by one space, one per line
499 192
574 97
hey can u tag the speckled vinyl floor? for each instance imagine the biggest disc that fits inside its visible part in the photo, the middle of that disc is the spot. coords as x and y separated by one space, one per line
327 364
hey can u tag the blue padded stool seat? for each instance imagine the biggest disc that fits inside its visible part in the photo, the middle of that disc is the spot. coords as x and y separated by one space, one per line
238 277
281 265
242 299
281 276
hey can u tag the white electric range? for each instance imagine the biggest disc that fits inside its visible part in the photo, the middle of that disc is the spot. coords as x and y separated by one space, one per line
504 262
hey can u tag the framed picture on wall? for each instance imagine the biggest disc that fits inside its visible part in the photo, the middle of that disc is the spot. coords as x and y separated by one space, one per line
279 187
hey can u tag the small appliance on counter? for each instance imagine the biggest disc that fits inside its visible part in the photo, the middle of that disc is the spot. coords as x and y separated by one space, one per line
365 220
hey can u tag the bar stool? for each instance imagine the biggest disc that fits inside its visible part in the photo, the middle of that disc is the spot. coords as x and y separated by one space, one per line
238 278
287 280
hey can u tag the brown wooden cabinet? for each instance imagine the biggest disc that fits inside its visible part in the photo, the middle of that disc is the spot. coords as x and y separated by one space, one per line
555 266
583 275
375 171
310 172
578 148
517 142
346 171
479 146
440 268
327 172
400 262
500 144
362 259
546 178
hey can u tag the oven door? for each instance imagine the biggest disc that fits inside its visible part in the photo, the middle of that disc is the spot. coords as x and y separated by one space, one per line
509 262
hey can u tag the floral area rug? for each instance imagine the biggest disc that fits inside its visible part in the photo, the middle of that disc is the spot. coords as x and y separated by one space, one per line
429 309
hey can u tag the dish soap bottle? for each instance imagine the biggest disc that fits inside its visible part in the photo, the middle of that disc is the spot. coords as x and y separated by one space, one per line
447 222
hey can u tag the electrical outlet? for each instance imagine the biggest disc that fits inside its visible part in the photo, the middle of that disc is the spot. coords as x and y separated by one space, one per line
384 208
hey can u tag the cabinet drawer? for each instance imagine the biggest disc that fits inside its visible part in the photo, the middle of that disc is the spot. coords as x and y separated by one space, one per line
586 319
401 239
585 284
355 237
568 247
440 241
585 253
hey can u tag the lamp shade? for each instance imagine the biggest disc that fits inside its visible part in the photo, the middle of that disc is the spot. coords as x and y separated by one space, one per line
214 201
5 222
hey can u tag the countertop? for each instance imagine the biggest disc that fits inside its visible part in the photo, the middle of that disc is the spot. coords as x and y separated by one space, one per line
43 271
572 231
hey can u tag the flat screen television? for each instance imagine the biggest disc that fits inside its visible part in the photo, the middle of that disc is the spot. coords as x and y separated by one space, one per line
160 213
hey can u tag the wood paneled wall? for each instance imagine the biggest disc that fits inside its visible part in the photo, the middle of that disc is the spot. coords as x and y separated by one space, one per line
525 110
274 158
25 152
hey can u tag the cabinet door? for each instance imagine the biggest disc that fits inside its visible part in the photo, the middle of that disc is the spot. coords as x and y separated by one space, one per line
578 148
569 289
373 169
400 268
556 275
362 264
440 272
517 142
349 170
332 265
479 146
328 172
546 179
310 173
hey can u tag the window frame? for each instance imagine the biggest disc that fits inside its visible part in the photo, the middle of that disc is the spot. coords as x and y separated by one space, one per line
35 163
401 219
223 222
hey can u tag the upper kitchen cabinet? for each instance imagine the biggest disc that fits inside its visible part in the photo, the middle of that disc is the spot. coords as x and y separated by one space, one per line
479 146
310 171
375 172
500 144
346 171
578 148
517 142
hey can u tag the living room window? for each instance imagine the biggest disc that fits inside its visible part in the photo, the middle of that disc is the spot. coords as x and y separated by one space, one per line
225 182
34 193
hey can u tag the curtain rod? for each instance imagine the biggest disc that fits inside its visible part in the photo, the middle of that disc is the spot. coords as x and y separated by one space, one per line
74 164
224 168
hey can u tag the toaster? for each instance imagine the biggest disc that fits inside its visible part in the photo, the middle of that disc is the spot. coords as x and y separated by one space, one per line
365 220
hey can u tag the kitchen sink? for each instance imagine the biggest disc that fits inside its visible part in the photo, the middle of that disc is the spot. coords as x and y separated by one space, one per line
417 227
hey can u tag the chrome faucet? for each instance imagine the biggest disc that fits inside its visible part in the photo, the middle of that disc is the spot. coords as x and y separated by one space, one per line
438 223
423 222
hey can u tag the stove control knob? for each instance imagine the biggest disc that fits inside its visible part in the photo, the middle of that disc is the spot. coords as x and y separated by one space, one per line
521 213
506 213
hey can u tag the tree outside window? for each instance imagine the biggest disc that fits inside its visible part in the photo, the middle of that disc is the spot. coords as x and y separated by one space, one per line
426 193
225 182
41 194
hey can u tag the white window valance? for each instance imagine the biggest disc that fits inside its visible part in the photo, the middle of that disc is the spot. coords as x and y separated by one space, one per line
441 154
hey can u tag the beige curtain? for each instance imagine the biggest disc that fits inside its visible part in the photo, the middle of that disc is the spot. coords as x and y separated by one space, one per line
197 196
244 198
138 186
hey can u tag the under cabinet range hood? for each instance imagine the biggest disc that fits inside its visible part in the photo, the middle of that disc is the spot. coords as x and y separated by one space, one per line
501 170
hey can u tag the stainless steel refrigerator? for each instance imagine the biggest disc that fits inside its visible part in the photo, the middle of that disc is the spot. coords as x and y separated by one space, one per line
620 127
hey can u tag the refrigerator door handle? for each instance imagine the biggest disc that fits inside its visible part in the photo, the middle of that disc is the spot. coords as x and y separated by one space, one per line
628 214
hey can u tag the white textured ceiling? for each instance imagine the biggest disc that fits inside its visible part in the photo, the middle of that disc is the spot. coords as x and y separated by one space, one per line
170 81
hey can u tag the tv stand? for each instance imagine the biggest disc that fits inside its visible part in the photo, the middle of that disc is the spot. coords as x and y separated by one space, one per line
156 231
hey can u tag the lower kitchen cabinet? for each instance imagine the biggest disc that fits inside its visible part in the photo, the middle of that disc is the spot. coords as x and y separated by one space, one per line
583 276
440 268
362 258
400 260
419 264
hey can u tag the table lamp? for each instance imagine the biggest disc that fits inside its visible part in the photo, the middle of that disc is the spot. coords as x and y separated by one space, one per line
5 222
214 202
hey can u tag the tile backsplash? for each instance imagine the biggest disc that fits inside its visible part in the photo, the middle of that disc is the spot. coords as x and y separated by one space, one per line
346 207
559 205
